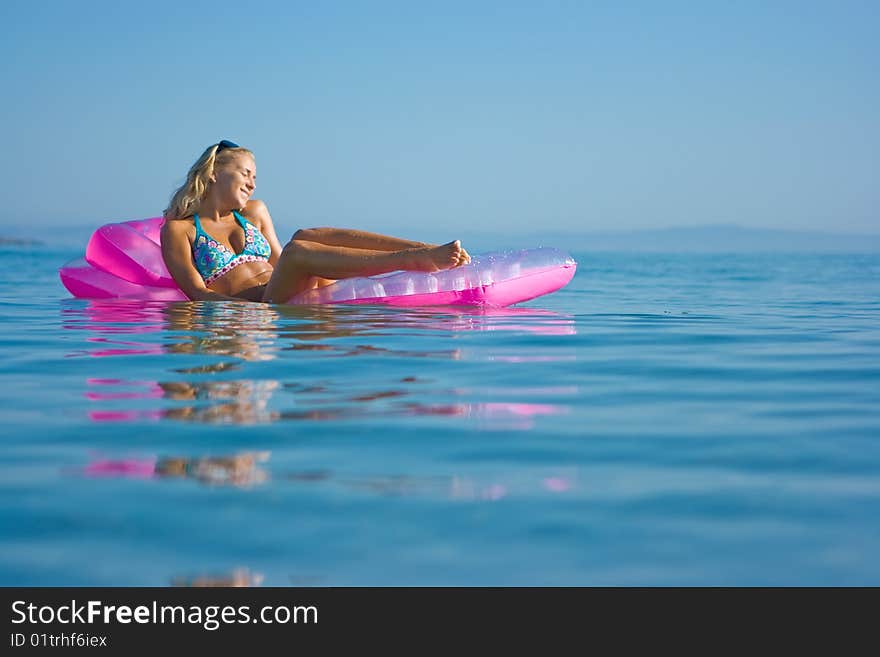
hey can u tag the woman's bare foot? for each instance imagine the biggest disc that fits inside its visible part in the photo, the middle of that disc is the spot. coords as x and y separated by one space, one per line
463 259
435 258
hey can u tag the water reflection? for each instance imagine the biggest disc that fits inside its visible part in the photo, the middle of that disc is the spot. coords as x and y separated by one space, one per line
240 470
239 577
249 469
246 331
227 402
252 331
245 402
228 339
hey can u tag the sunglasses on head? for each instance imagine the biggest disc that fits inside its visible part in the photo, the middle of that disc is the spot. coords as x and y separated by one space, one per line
225 143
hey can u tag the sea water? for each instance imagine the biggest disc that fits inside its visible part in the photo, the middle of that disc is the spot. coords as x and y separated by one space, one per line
664 419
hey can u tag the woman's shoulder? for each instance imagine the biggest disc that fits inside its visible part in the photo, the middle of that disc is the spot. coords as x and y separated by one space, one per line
183 226
255 207
256 212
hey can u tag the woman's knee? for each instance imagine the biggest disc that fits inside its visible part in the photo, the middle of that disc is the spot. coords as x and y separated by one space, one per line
293 256
307 235
294 247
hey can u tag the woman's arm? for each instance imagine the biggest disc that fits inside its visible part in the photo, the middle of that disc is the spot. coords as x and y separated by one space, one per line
177 253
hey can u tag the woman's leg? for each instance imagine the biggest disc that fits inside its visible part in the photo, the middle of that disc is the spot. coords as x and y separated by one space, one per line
356 239
359 239
303 264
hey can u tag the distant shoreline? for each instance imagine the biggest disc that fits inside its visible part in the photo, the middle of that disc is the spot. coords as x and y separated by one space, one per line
696 239
709 239
16 241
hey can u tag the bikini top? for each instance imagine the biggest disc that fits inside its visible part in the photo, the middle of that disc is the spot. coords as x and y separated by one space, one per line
212 258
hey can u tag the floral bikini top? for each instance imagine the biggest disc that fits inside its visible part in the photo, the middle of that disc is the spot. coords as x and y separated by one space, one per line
213 258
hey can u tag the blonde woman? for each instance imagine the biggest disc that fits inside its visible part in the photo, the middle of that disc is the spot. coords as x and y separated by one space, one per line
219 243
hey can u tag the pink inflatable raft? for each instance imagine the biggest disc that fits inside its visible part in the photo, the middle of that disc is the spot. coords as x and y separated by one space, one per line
124 261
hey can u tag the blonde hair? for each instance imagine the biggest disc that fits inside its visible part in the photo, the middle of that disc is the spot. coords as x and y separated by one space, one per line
186 200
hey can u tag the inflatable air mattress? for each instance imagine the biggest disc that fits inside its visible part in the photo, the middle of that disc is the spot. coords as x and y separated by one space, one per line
124 261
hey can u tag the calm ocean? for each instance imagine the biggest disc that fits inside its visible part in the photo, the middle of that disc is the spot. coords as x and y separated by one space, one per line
664 419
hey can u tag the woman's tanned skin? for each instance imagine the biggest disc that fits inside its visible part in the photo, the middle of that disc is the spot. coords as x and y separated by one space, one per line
312 258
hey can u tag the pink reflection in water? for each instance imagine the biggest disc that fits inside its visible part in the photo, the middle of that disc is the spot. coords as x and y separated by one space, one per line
517 416
466 489
244 470
135 348
557 484
520 409
240 470
137 468
135 316
533 359
153 390
532 320
124 416
118 318
495 492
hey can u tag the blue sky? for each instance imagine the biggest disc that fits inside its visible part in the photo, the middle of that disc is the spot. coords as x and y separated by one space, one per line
437 119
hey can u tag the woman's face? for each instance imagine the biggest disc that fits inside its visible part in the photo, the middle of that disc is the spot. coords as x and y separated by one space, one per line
236 180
